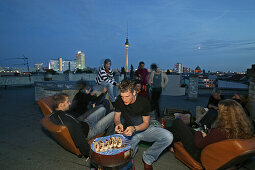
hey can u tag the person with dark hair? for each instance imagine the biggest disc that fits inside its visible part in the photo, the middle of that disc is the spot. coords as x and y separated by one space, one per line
214 99
157 81
142 74
132 118
85 126
139 90
231 123
85 100
105 78
212 113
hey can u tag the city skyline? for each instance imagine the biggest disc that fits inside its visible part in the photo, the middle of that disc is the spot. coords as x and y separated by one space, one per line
215 35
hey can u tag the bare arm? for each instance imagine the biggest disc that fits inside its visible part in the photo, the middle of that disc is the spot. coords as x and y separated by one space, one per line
144 125
118 125
131 129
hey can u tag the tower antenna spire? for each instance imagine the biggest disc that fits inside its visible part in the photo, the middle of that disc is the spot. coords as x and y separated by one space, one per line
127 45
127 30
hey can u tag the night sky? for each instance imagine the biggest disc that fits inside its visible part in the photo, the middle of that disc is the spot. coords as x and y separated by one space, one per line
214 34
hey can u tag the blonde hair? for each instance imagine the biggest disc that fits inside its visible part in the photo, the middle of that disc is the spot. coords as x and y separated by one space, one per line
233 121
127 85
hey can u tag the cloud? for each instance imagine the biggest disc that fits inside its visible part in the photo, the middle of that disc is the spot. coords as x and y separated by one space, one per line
219 44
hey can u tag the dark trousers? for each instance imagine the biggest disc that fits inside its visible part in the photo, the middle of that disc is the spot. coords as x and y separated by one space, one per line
209 118
183 133
155 95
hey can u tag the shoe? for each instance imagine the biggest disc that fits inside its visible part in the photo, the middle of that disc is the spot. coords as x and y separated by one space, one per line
147 167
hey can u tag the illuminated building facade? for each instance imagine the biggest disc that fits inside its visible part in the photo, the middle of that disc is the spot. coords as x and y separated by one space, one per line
80 60
178 68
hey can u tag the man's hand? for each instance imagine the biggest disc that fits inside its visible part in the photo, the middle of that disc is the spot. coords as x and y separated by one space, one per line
129 131
119 128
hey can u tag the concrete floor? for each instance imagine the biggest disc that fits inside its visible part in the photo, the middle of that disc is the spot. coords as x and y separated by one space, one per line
25 145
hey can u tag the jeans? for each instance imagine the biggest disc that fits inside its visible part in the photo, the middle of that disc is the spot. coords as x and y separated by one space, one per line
110 90
98 122
162 138
89 112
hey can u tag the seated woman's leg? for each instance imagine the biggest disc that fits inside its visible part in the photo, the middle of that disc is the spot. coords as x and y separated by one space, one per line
101 125
183 133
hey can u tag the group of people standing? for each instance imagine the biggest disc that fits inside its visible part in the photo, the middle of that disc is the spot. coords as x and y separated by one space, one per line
131 116
150 86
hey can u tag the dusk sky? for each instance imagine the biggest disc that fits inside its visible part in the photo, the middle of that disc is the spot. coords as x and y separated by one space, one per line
214 34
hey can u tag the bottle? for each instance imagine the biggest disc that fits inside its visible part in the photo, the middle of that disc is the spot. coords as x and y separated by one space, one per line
163 123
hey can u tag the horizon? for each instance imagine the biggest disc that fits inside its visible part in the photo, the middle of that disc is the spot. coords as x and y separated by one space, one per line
214 35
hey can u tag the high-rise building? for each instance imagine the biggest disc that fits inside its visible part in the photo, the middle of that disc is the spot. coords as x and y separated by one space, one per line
62 65
178 68
69 65
54 65
80 60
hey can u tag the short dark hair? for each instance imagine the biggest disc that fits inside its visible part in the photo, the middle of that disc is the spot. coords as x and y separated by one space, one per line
107 61
141 62
127 85
59 98
154 67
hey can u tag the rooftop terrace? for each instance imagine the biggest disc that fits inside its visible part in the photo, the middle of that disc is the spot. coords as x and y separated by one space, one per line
26 145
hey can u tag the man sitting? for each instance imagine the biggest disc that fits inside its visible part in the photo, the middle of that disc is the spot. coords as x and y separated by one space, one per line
134 111
84 127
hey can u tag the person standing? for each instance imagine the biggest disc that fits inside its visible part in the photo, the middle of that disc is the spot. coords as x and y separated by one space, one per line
142 74
157 81
105 78
132 119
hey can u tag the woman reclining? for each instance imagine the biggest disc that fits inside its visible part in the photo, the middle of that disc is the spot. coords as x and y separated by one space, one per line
231 123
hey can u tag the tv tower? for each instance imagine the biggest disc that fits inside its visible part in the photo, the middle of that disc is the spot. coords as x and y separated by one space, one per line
127 45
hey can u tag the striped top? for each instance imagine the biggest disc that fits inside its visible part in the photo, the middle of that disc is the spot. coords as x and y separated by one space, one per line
102 76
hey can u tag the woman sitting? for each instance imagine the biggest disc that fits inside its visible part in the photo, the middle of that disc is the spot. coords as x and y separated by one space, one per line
231 123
